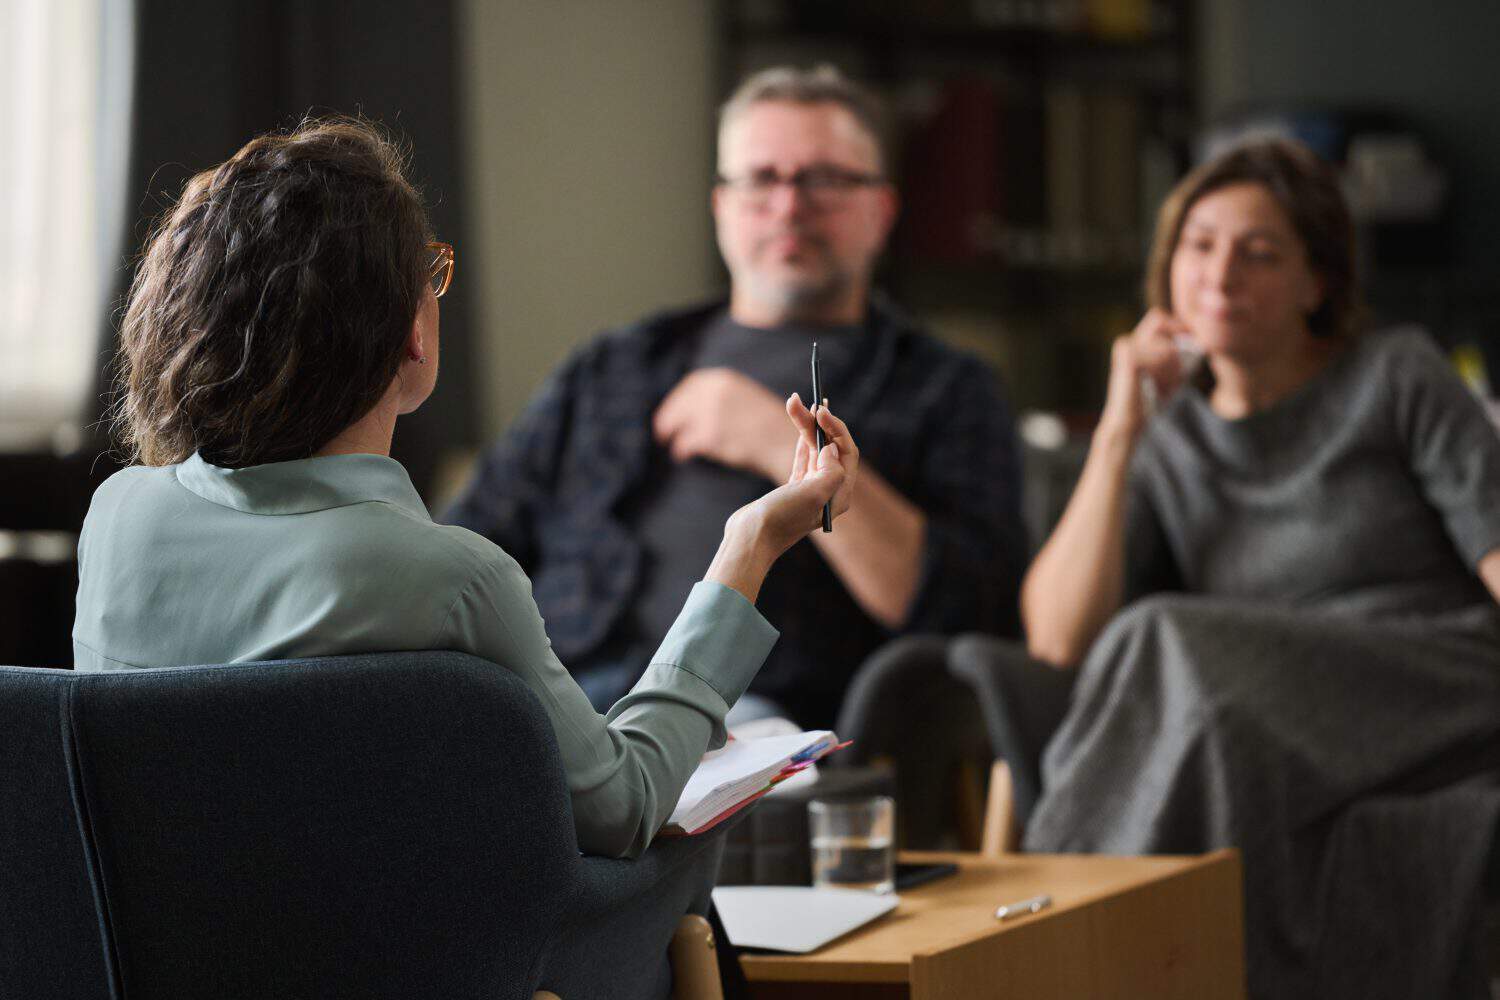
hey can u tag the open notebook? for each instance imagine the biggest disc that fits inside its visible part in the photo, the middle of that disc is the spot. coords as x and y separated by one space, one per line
742 771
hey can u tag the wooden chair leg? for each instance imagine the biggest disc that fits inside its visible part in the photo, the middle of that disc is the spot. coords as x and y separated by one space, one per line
695 966
969 805
1001 835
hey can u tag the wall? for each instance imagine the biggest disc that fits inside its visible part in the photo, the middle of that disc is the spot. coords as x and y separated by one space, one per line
590 159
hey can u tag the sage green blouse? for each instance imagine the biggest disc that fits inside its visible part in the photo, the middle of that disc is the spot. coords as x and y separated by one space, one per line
192 563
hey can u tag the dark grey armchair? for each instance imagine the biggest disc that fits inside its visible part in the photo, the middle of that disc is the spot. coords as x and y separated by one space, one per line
392 825
1023 702
940 710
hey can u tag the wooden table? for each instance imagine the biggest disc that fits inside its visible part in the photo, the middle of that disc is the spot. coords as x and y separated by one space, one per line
1158 927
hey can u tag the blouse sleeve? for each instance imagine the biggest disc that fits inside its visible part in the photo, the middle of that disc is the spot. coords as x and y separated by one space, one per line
625 770
1451 444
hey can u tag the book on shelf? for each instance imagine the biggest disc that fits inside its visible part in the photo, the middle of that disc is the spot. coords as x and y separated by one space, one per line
952 174
742 771
1067 150
1113 161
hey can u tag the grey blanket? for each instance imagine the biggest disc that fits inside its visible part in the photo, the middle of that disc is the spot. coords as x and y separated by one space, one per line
1352 762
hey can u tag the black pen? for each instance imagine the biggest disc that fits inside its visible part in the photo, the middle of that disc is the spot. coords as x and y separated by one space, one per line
819 400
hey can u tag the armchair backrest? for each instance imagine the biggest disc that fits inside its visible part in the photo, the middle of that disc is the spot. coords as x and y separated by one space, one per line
392 825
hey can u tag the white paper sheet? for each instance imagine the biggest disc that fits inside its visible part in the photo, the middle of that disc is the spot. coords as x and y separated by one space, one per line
795 918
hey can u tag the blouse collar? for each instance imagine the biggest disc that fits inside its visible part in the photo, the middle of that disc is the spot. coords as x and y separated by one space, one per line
304 485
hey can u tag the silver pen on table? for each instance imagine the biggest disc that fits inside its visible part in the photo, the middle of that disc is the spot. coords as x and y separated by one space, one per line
1035 904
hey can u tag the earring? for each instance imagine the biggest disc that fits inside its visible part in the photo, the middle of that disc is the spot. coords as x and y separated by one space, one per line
420 359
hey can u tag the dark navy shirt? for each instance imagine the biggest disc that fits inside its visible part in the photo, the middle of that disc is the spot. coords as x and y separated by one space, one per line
566 490
678 516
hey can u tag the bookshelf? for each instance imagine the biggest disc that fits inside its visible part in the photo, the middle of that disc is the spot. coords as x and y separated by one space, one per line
1032 141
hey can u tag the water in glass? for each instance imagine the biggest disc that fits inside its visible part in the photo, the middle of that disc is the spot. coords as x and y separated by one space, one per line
852 862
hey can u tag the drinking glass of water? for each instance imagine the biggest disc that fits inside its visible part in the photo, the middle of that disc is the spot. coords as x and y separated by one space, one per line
853 843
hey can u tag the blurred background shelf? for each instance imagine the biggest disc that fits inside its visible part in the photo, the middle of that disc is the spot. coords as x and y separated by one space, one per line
568 151
1031 142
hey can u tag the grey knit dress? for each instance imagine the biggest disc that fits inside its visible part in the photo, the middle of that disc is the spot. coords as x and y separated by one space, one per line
1309 670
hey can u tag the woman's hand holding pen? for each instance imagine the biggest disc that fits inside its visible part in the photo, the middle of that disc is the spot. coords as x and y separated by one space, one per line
759 532
790 511
836 433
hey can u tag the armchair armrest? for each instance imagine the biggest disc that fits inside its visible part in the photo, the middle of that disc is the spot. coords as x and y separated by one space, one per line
1022 700
625 912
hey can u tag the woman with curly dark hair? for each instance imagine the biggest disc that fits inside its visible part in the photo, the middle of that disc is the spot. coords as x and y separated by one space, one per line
1277 589
283 317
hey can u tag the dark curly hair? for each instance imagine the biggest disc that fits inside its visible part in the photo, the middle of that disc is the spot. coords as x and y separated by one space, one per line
271 304
1308 192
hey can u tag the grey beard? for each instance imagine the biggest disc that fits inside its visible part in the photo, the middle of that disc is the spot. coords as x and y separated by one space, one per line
798 300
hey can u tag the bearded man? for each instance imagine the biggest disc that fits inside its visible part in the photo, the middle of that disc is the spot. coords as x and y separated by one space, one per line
612 488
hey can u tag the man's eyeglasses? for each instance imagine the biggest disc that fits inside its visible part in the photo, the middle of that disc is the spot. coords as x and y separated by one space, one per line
823 187
440 267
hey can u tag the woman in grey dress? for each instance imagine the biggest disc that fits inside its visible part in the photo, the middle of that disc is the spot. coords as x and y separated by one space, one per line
1302 525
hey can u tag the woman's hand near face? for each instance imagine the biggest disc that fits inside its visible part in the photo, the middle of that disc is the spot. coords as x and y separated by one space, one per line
1077 580
1149 350
759 532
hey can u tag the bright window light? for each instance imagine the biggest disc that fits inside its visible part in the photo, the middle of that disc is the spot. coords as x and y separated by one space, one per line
65 81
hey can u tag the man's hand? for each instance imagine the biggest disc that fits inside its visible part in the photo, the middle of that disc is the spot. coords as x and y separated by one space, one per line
725 417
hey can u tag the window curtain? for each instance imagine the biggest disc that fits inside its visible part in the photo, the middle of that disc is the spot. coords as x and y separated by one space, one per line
65 102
